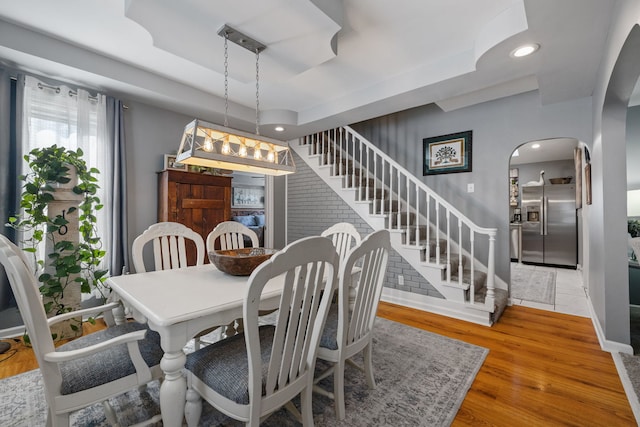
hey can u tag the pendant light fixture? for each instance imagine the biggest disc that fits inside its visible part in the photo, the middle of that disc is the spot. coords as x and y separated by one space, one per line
210 145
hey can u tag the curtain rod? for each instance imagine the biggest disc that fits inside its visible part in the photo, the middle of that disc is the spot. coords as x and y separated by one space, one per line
57 89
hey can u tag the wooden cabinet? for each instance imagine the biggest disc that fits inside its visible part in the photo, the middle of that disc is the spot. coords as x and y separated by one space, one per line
196 200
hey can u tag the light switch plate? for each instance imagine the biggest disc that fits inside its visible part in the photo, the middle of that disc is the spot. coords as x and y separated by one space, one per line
470 188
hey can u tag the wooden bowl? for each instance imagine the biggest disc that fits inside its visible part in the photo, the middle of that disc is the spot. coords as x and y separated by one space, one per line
240 262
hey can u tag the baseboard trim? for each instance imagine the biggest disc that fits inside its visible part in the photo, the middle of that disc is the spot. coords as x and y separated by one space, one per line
606 345
435 305
14 332
628 386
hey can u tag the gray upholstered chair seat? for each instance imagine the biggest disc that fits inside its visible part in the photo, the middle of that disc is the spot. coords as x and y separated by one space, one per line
109 365
223 366
330 333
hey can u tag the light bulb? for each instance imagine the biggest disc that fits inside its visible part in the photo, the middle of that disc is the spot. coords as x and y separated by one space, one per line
226 147
257 153
242 151
208 145
271 157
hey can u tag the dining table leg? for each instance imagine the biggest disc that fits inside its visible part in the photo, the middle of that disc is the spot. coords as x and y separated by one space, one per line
173 391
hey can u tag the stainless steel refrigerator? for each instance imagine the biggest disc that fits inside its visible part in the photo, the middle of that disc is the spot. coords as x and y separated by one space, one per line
549 225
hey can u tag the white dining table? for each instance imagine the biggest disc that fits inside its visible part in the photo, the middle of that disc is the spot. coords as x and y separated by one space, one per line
178 304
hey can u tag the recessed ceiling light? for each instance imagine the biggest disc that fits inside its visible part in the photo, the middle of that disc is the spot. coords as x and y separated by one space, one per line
279 129
535 146
524 50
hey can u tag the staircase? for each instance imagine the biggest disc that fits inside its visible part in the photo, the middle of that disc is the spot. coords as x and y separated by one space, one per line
451 252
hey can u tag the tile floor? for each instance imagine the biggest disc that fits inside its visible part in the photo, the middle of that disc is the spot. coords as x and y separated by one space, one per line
570 293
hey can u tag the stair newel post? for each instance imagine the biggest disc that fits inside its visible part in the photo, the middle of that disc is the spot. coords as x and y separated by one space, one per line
491 271
338 146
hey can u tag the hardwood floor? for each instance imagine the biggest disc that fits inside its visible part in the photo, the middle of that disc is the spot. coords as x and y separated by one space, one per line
543 369
20 358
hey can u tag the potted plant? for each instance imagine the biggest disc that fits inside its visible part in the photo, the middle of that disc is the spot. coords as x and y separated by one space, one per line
59 206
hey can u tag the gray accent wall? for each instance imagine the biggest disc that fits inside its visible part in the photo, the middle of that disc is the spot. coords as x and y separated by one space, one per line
150 134
499 127
606 254
313 206
633 148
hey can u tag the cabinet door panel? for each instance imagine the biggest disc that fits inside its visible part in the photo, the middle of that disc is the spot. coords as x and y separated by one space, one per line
198 201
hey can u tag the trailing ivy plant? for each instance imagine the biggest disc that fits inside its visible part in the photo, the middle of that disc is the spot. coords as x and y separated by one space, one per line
633 227
68 264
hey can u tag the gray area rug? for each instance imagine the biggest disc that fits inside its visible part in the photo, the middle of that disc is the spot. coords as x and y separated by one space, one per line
533 285
629 365
422 379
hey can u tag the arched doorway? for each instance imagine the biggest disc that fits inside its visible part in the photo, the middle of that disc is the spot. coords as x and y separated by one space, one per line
545 225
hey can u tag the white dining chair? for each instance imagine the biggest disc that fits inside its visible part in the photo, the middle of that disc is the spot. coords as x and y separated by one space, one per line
250 375
344 236
169 246
169 241
348 330
230 235
89 369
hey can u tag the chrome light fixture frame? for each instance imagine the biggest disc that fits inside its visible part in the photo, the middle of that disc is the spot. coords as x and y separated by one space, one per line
211 145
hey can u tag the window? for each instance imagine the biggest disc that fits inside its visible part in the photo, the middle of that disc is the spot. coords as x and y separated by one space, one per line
73 119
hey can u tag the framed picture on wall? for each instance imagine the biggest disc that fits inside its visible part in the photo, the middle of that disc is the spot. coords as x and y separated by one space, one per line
170 163
447 153
247 197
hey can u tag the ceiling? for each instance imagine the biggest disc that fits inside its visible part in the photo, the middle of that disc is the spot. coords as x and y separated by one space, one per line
327 62
547 150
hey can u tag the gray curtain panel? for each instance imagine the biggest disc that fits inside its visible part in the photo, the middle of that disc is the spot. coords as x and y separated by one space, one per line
119 255
10 118
6 185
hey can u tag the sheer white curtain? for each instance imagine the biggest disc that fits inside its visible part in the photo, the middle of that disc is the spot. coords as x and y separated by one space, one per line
57 114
